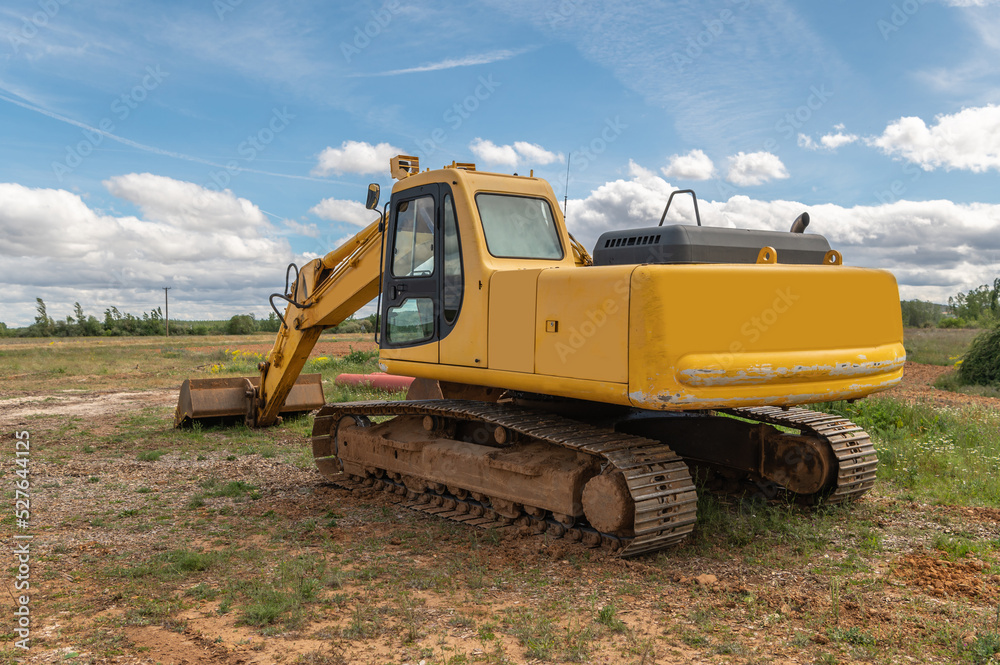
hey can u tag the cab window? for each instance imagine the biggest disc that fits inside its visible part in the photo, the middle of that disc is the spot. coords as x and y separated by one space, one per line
519 227
453 279
413 249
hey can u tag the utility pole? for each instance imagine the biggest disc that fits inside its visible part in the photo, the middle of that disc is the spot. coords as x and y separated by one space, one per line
166 305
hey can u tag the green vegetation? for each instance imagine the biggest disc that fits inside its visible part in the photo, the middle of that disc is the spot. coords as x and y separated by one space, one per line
936 346
980 307
932 455
981 364
150 455
977 308
974 354
920 313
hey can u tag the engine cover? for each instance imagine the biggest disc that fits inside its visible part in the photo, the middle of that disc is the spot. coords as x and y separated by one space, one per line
679 243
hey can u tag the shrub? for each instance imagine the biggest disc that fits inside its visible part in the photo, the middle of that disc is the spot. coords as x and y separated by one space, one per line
241 324
953 322
350 326
981 364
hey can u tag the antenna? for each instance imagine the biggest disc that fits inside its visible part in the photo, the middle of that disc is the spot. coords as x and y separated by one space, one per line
566 194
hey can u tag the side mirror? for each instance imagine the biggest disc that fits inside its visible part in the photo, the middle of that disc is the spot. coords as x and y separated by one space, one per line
373 192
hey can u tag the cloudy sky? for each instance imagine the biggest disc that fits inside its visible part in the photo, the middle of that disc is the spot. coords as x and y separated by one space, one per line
203 145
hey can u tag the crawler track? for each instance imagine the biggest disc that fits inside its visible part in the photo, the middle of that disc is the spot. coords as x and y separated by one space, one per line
658 480
857 462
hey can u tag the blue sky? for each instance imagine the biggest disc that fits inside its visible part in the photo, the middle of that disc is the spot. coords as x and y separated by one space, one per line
204 145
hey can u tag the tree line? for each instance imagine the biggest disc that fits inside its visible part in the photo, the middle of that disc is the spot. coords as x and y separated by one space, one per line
977 308
116 323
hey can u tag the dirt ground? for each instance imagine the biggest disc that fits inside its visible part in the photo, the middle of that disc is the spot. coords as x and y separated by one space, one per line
401 587
918 386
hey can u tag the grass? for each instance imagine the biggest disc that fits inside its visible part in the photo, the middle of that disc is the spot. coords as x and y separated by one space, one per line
932 455
952 383
150 455
138 363
937 346
169 565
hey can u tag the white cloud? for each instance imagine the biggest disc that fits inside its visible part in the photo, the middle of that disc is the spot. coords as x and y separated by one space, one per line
967 140
828 141
341 210
695 165
755 168
935 248
184 204
297 228
536 154
834 141
356 157
216 251
490 152
451 63
971 3
512 155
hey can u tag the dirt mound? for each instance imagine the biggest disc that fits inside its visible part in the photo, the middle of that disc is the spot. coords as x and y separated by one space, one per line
944 579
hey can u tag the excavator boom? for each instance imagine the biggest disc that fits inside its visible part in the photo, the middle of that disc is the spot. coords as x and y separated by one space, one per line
326 292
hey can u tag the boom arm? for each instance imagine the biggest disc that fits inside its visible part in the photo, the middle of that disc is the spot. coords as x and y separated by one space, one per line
327 291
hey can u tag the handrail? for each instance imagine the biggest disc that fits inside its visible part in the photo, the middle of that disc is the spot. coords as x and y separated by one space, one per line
694 196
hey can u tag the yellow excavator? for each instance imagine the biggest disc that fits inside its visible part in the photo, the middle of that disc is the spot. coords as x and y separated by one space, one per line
575 393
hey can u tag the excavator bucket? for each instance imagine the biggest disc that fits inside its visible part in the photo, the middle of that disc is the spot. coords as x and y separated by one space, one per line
205 399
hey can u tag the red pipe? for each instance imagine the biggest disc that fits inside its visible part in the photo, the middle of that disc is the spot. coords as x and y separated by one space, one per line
377 380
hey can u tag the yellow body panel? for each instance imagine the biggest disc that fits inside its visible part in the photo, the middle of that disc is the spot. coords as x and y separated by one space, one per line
424 353
598 391
706 336
590 309
512 320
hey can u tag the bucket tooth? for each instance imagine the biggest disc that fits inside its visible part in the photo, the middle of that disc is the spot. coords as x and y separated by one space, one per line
233 397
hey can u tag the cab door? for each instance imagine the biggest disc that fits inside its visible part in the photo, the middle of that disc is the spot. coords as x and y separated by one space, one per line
412 275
